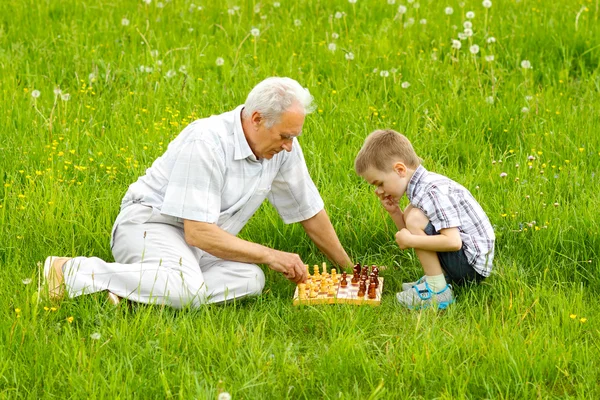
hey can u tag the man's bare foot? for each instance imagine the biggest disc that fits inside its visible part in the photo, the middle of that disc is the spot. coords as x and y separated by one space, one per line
53 272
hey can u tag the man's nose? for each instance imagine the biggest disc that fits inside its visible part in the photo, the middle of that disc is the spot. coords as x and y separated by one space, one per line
287 146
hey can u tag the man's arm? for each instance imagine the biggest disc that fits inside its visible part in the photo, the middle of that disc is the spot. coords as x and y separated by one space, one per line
221 244
321 232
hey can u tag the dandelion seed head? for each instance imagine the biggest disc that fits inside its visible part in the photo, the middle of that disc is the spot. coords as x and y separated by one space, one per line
154 53
423 21
160 5
225 395
525 64
449 10
474 49
349 56
491 39
489 58
409 22
503 175
489 100
384 73
402 9
276 4
391 2
338 15
352 1
95 336
257 8
231 11
219 61
26 281
297 22
65 97
331 46
335 35
524 110
467 24
468 32
255 32
125 22
147 1
462 36
486 3
470 14
57 91
35 93
416 6
456 44
405 85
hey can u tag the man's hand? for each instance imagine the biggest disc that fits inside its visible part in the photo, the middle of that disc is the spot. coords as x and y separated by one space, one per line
289 264
403 238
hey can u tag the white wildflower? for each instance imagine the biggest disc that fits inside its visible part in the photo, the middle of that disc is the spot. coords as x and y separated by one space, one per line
503 175
352 1
183 69
57 91
147 1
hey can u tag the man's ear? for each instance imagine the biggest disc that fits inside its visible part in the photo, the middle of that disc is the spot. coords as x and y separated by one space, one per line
400 169
256 118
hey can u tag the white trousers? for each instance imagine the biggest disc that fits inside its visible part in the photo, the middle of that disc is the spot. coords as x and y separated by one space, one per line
155 265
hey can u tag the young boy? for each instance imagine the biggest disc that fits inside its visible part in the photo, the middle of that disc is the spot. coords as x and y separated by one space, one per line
450 232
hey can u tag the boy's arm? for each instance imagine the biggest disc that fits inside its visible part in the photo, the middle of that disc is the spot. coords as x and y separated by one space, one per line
448 240
398 218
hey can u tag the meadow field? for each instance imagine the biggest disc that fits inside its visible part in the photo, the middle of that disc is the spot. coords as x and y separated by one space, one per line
502 96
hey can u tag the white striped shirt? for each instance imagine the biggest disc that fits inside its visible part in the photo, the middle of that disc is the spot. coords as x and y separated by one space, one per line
448 204
210 174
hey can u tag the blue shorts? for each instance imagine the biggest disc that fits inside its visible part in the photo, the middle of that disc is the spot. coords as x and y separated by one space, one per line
455 264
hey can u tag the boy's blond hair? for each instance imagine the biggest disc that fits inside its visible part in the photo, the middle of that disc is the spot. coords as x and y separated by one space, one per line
384 147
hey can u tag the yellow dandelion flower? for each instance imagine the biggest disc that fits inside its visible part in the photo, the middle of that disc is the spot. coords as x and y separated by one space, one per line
53 308
583 320
17 310
70 319
46 308
573 316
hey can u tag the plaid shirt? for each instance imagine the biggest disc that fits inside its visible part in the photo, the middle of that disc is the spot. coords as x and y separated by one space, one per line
210 174
449 205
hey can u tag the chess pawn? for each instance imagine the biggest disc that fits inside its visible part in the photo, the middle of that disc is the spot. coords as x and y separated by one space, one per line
356 269
372 290
362 289
344 282
375 270
313 291
323 286
334 276
302 291
316 270
324 268
354 280
331 291
364 271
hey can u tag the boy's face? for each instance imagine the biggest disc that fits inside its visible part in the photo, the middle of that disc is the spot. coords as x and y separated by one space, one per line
390 185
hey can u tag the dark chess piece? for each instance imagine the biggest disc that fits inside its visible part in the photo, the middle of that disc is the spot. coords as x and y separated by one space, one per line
356 269
372 290
364 271
344 282
373 279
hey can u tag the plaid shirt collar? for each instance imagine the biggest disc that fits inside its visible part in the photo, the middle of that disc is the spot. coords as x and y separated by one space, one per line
242 148
418 175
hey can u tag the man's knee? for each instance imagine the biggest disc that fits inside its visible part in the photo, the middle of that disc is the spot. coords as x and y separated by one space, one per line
415 220
255 280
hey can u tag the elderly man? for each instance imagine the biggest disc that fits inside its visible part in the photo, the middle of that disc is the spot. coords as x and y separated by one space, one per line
174 241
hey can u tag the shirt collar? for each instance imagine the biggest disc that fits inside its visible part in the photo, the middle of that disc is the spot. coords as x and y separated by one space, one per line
414 181
242 148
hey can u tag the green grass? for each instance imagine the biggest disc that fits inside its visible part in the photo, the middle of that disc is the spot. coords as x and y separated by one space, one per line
64 166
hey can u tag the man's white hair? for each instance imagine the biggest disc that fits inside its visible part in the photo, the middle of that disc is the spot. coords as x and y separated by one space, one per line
275 95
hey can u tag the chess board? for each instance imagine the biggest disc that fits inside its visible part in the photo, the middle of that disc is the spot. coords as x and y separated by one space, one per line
347 295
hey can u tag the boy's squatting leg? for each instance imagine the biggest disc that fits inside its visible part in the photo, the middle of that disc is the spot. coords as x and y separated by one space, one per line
416 222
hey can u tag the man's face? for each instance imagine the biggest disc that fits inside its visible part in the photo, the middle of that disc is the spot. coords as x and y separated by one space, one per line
389 185
281 135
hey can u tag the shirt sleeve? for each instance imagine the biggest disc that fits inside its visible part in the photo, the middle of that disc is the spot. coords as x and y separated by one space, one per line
442 210
195 184
293 192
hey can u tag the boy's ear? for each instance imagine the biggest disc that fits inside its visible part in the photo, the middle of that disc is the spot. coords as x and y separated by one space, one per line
400 169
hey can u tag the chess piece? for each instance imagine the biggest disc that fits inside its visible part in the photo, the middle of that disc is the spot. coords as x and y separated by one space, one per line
373 279
313 291
344 282
302 291
362 289
364 271
324 268
331 291
354 280
334 276
372 290
375 270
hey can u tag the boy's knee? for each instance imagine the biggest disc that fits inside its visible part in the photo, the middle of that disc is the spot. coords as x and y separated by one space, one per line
415 220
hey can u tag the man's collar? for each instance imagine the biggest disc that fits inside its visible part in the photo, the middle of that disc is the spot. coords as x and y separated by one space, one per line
414 180
242 148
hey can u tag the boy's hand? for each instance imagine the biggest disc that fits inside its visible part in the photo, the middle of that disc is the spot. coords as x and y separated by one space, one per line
403 238
390 205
